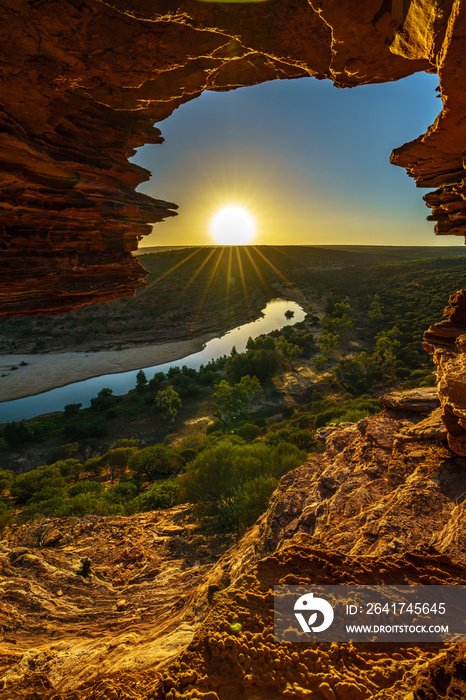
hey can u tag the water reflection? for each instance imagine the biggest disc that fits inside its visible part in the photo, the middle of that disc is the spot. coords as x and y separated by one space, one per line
81 392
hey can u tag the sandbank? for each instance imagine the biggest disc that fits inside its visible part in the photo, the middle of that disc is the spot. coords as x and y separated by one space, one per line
51 370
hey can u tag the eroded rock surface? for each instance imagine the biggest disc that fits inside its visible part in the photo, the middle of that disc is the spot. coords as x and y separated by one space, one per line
86 599
84 82
446 342
222 665
142 606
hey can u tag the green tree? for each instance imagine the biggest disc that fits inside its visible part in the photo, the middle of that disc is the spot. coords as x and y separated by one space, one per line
167 402
156 381
104 400
141 381
260 363
386 348
28 485
248 387
355 374
328 342
16 433
155 462
93 465
117 460
288 351
228 401
375 313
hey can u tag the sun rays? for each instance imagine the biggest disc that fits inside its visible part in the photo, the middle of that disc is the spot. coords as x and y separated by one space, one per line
218 270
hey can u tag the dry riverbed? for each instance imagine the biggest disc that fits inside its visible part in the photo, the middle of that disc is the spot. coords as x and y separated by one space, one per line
51 370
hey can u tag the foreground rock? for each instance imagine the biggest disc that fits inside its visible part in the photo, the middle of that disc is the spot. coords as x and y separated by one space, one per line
220 664
83 84
86 599
143 606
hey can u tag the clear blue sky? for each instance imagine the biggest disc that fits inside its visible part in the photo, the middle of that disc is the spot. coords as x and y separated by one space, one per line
309 161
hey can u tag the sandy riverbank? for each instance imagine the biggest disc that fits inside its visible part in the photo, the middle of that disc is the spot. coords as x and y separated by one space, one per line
51 370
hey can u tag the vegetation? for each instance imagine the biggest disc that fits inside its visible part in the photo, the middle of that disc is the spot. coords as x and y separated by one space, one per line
367 340
231 482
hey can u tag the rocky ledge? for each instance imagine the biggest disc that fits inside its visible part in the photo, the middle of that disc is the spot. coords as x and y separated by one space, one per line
84 82
142 607
446 342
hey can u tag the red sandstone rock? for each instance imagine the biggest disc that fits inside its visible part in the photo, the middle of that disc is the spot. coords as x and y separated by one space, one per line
83 83
445 341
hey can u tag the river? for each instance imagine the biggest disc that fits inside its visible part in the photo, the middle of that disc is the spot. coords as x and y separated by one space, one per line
273 318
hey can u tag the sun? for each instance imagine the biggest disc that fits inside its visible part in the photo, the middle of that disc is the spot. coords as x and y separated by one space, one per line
232 225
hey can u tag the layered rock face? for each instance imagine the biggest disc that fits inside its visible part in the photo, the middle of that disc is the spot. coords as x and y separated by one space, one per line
446 342
84 82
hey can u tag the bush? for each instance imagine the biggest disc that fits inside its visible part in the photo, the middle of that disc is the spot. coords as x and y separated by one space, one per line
86 486
68 467
123 492
220 480
262 364
167 402
6 479
155 462
117 460
159 496
50 508
16 434
104 400
304 439
26 485
71 409
248 431
125 442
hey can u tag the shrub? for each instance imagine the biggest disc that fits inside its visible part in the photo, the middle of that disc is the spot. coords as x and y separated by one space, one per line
52 507
155 462
104 400
16 434
159 496
26 485
71 409
220 480
123 492
117 460
125 442
248 431
68 467
6 479
303 439
86 486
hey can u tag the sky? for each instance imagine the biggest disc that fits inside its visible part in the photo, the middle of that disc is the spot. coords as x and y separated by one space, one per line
309 162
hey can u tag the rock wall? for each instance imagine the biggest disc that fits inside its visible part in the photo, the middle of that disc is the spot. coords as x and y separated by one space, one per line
84 82
446 342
